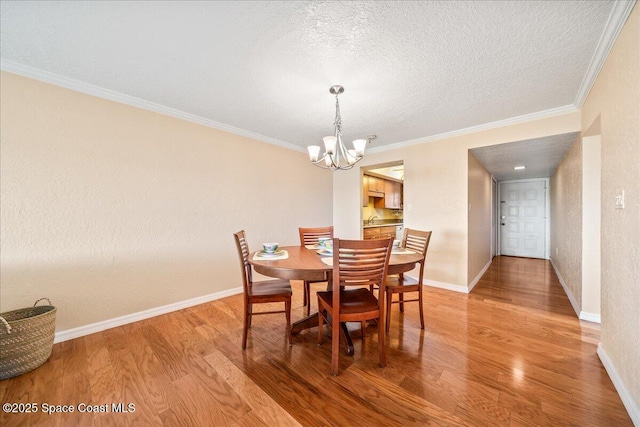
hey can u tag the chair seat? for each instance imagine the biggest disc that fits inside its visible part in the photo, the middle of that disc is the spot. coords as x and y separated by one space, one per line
271 288
352 301
407 284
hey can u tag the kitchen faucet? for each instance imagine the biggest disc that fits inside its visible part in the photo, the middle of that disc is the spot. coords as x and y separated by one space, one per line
372 219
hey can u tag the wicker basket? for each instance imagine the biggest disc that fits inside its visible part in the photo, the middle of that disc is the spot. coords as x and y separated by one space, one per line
26 338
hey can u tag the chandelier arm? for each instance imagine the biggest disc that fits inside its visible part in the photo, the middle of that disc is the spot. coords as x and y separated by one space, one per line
343 151
321 162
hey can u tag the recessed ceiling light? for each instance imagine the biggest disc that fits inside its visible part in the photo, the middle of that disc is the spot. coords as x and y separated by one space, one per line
519 167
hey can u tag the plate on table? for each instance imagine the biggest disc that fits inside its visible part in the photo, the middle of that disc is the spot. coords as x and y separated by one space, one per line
325 252
264 254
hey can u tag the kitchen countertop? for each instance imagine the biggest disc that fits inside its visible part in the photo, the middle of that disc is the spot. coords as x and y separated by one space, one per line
383 223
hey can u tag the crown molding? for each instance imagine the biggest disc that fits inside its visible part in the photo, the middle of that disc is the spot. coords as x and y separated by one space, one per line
89 89
474 129
618 17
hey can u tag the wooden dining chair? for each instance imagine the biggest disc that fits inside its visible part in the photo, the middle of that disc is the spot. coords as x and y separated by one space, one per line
267 291
360 263
309 236
417 241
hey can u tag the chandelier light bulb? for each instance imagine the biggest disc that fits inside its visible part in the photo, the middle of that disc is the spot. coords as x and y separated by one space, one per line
358 145
314 152
330 144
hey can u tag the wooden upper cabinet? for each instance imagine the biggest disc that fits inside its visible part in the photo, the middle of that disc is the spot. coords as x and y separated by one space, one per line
392 195
376 185
386 193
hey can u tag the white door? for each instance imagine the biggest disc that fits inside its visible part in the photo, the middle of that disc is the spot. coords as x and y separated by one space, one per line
523 218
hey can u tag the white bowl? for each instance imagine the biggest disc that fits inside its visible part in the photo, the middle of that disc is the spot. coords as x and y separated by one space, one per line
270 247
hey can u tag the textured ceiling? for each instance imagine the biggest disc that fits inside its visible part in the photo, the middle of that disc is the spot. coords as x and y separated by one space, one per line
411 70
540 157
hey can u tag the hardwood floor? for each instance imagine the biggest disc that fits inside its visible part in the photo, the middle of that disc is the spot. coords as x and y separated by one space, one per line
511 353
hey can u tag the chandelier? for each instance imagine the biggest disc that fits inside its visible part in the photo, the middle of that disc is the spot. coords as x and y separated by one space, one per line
336 156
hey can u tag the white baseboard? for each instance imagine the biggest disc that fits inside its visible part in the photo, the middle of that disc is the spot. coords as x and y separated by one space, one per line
475 281
590 317
442 285
572 300
582 315
447 286
134 317
633 407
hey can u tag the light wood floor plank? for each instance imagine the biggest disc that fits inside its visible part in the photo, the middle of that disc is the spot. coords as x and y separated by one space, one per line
263 407
510 353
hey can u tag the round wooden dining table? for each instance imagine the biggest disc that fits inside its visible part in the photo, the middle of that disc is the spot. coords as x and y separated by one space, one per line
307 264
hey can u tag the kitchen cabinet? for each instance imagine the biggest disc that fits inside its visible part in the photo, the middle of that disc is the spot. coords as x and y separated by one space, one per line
376 185
379 233
386 193
392 196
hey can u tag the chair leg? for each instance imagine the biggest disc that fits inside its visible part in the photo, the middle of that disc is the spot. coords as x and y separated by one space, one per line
420 308
388 317
287 312
381 344
363 325
305 293
320 325
400 296
335 345
245 325
307 296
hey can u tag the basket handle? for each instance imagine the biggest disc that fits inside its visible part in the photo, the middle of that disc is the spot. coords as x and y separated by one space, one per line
42 299
6 325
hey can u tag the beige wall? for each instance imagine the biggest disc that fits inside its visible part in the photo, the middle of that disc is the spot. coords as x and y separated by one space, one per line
436 191
615 100
591 220
575 225
479 219
109 210
565 199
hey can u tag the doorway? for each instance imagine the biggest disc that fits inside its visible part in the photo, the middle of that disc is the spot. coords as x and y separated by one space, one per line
382 200
523 224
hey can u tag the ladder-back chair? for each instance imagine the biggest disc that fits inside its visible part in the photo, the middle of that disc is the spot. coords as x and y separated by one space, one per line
360 263
267 291
417 241
309 236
